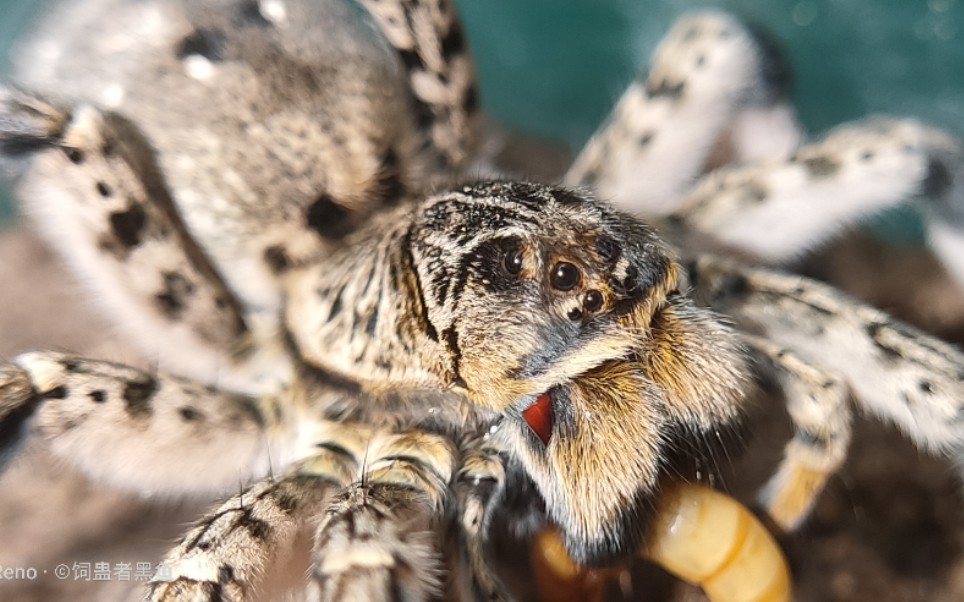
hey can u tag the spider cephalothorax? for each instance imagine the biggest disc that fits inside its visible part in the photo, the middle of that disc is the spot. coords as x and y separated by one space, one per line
527 299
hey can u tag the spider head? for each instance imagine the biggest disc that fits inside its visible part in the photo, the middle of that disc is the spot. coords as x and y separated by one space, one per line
565 316
526 285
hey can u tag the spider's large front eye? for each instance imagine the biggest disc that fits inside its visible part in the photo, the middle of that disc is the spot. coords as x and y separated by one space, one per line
564 277
512 261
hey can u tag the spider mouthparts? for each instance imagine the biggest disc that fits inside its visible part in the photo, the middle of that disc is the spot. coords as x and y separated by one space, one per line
539 417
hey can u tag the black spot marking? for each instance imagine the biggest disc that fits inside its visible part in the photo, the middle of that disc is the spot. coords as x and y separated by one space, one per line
732 286
821 167
277 259
454 41
98 396
412 61
665 89
645 138
926 386
128 226
326 217
225 574
104 190
754 193
938 179
70 365
372 323
172 299
190 414
137 395
287 503
209 43
60 392
75 155
258 528
874 332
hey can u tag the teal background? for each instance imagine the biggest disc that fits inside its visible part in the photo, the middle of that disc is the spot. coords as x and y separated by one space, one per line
552 68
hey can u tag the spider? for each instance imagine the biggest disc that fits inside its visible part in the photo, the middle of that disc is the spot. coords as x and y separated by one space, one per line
260 194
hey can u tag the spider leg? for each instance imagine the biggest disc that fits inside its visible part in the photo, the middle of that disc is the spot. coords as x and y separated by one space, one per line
140 431
706 94
231 553
895 371
429 39
377 539
779 208
818 403
479 485
97 195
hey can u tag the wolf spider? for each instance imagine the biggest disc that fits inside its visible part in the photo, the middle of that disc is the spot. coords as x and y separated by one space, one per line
259 194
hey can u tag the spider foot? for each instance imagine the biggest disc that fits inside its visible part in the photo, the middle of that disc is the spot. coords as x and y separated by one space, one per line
819 409
479 486
237 551
375 545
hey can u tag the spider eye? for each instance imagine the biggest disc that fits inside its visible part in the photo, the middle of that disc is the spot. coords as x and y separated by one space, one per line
564 277
512 261
593 301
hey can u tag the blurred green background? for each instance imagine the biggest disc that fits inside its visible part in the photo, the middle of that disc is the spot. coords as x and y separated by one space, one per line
552 68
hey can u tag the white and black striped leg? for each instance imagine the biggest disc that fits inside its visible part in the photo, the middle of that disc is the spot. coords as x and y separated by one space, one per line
669 128
818 403
143 432
380 537
780 208
429 39
96 192
479 484
235 552
894 371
